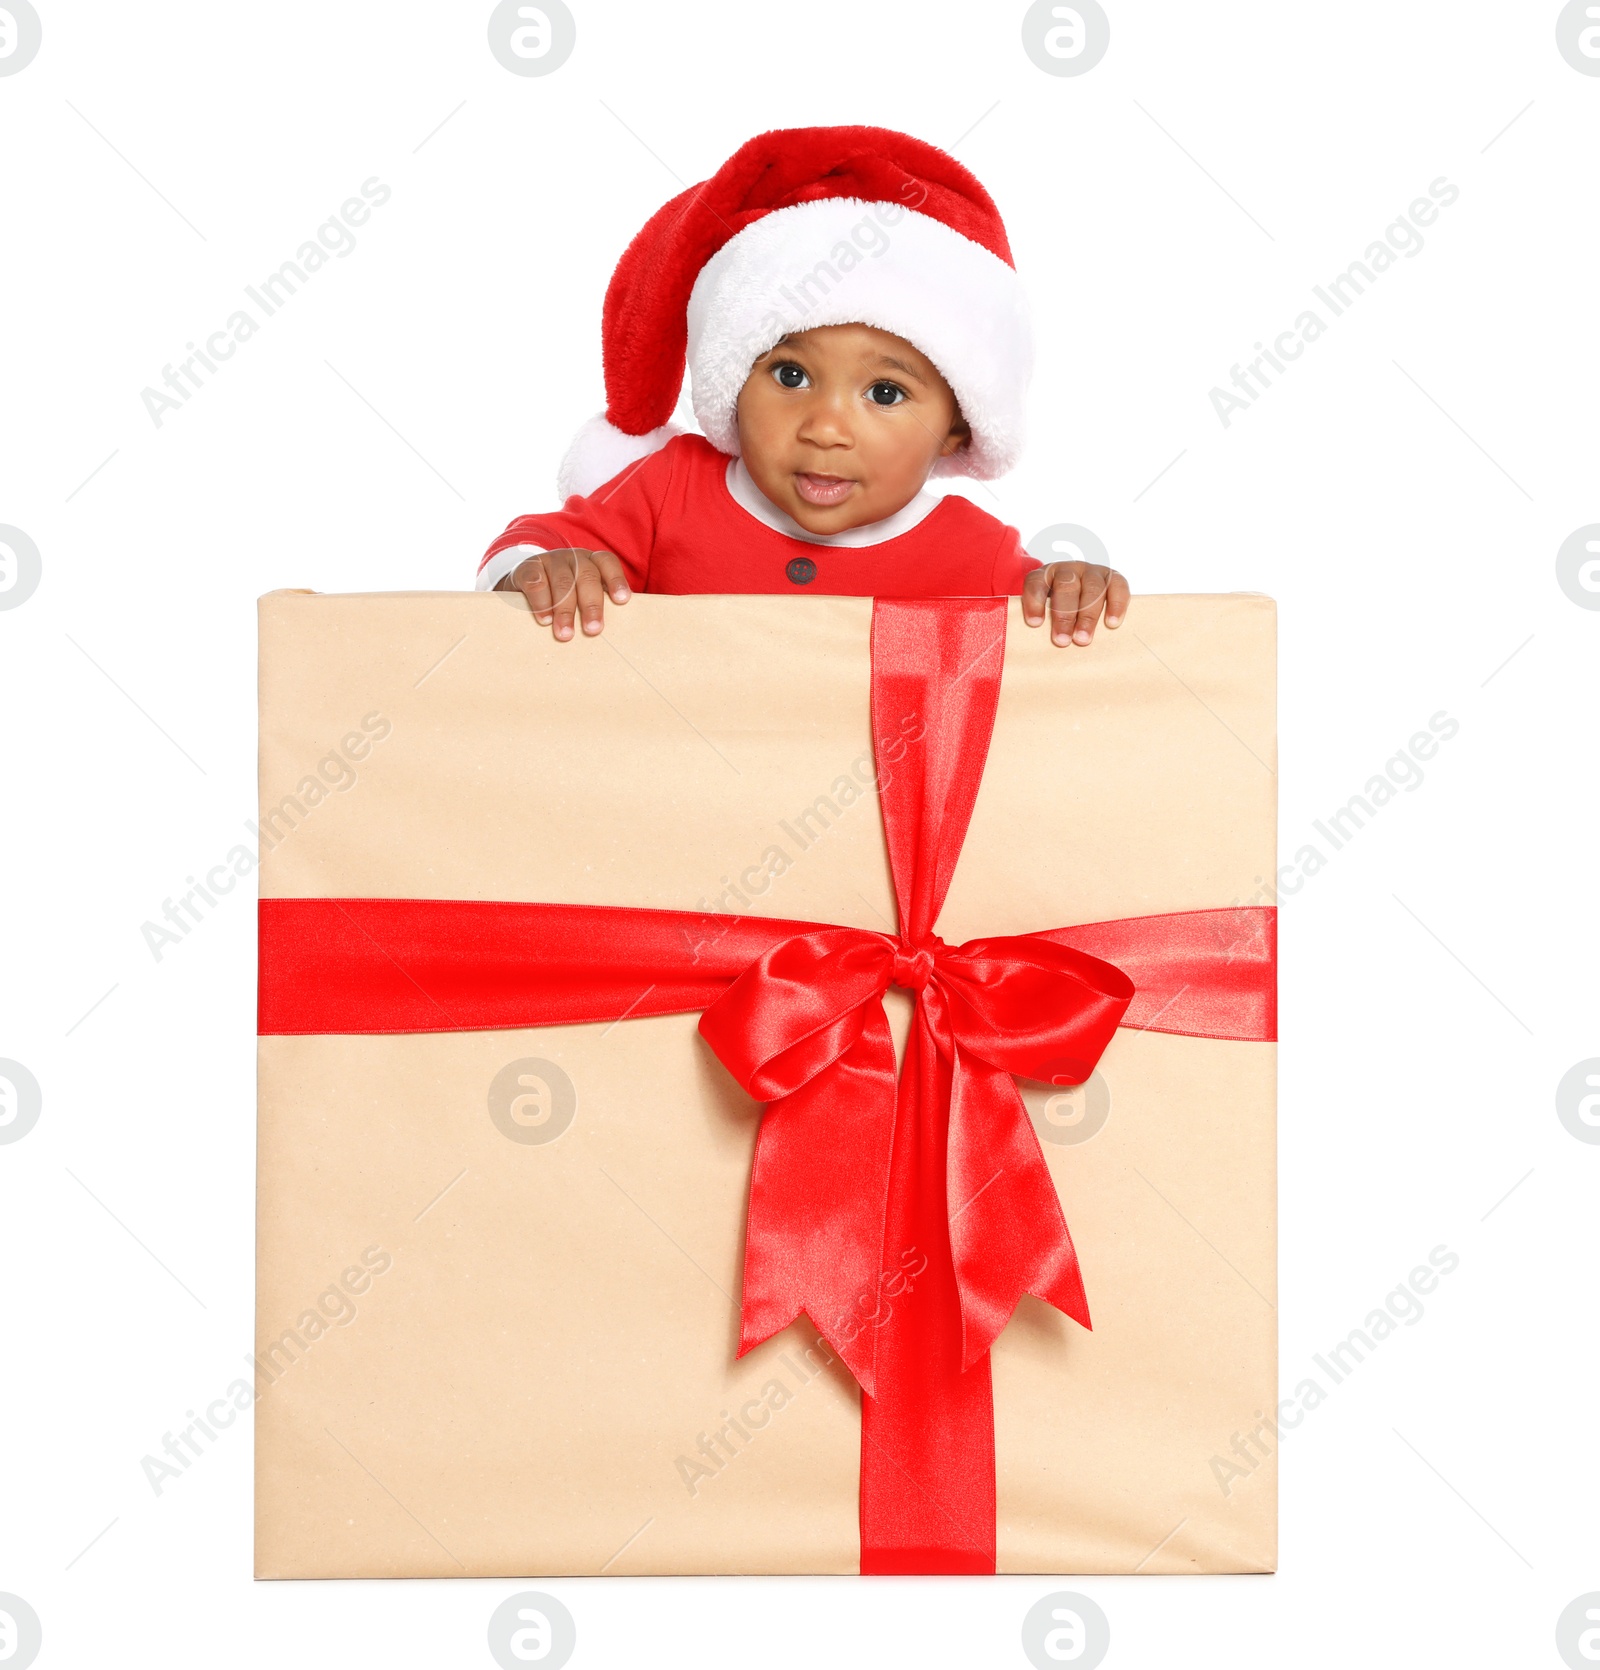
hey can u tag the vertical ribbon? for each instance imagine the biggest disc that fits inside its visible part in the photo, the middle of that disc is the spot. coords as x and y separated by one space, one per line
927 1434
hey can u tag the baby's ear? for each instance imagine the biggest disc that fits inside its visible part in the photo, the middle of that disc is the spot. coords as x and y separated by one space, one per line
960 436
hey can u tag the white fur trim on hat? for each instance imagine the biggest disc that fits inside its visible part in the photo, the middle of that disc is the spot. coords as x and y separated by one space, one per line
839 260
599 450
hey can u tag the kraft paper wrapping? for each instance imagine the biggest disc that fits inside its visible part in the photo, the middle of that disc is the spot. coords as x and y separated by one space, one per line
489 1357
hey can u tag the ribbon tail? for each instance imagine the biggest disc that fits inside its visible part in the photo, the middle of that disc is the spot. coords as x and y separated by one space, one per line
819 1189
1008 1235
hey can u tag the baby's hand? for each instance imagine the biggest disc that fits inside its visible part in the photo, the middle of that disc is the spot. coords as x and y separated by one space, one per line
1076 591
559 583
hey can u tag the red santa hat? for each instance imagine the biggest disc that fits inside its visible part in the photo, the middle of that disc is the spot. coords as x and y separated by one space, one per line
804 227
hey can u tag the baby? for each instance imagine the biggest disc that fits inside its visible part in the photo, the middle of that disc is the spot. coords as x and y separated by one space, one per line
847 306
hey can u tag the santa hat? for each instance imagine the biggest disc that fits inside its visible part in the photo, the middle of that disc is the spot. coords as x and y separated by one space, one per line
804 227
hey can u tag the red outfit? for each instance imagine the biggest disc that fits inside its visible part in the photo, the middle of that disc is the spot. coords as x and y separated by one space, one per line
676 528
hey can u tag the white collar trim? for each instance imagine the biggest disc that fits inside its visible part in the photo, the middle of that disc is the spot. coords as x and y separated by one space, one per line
744 492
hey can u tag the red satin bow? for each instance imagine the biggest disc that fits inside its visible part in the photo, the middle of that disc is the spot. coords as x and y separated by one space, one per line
930 1199
804 1030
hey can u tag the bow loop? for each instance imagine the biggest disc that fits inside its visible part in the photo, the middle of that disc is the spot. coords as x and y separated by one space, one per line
798 1008
1027 1005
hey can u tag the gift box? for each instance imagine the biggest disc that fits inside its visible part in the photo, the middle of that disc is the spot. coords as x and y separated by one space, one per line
786 1086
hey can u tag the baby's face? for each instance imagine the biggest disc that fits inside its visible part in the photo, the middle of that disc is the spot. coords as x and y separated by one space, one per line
841 425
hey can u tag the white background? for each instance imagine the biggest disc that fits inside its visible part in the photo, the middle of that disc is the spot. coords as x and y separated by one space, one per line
1169 208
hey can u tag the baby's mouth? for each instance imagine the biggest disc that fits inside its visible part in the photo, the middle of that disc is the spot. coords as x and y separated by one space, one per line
823 490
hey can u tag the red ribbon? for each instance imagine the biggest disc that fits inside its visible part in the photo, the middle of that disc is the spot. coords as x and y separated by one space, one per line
930 1202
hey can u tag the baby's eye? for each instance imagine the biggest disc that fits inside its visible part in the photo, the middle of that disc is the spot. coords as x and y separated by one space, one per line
885 393
789 375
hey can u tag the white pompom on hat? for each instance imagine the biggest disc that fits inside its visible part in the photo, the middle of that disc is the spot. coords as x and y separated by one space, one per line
804 227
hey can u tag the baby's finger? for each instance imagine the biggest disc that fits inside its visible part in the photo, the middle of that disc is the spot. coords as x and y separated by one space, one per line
1035 584
1065 590
532 580
613 575
1089 603
591 595
1117 599
563 591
